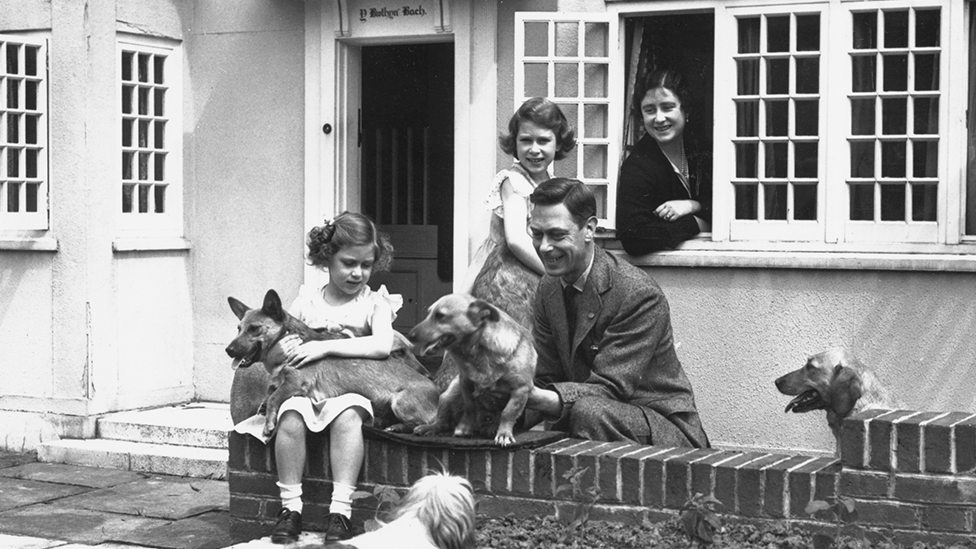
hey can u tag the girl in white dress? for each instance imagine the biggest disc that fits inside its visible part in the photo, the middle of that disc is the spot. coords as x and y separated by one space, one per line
351 248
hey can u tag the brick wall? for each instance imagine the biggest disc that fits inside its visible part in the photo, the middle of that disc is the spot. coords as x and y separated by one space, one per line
911 475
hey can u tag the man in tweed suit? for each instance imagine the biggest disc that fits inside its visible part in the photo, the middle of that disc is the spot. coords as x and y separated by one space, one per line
607 367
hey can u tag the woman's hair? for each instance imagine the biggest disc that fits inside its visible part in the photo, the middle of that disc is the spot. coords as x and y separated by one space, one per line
348 229
545 114
663 78
575 195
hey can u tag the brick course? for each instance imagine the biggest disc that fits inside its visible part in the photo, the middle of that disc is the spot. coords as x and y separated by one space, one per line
909 473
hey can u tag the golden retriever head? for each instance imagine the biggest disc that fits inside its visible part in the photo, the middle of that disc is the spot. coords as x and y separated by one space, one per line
828 381
452 318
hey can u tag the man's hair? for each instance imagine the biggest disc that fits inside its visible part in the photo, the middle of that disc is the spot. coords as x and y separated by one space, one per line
576 196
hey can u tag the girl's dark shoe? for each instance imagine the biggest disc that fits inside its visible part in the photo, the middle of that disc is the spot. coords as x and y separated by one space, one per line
339 528
287 528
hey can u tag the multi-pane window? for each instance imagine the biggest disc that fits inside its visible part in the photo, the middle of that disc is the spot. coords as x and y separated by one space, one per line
23 134
777 173
567 58
149 106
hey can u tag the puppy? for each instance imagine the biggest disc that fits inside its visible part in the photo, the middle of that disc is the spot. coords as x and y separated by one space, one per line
438 512
835 381
496 364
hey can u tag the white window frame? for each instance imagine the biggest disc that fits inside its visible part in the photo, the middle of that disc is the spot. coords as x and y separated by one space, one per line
168 223
835 61
615 85
25 220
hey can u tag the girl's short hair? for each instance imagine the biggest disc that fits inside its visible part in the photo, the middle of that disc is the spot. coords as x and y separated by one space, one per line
670 79
348 229
545 114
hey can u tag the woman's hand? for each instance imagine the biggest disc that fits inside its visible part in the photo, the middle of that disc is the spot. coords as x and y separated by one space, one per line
307 352
672 210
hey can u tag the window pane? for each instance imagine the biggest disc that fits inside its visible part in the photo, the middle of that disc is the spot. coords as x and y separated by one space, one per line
777 76
600 193
595 161
144 198
536 80
807 75
595 79
127 191
13 197
805 199
567 166
865 31
536 39
927 28
749 35
13 93
13 162
893 159
896 29
862 159
143 133
862 116
567 79
159 102
925 159
776 160
159 133
807 32
777 117
31 190
895 73
594 121
144 100
747 119
893 116
159 198
31 165
774 198
127 93
13 128
597 39
927 115
571 112
748 76
863 73
31 92
30 60
807 117
746 160
143 60
805 160
127 158
143 166
926 71
923 202
778 33
30 129
567 39
893 202
13 55
127 132
127 57
746 202
862 202
159 168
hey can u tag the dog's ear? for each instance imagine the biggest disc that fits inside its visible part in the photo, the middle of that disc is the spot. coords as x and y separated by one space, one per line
272 306
480 311
238 307
844 390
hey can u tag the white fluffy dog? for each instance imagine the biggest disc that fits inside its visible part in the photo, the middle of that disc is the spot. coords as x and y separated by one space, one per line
437 513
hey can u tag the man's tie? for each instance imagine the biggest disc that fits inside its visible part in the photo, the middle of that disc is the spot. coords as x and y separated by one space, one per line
570 296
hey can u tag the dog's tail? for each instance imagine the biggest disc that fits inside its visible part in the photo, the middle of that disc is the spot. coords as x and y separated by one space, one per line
444 504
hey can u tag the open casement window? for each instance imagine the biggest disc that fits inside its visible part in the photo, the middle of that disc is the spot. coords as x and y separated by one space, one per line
23 133
571 59
841 129
151 146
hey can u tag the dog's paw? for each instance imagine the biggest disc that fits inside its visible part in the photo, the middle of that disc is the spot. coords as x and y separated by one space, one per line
426 430
504 438
398 428
463 430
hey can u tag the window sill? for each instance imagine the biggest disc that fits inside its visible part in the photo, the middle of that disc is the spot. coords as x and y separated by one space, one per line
29 244
702 252
158 244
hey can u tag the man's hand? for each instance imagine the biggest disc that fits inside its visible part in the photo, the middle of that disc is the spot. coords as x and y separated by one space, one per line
546 401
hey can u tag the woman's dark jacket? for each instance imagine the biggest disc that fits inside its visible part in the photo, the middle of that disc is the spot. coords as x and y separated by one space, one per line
648 180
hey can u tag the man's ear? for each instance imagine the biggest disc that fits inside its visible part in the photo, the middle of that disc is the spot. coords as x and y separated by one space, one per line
589 229
481 311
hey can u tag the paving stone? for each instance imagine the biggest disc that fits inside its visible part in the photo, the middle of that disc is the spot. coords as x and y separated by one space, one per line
73 525
305 540
29 542
18 493
171 498
13 459
206 531
60 473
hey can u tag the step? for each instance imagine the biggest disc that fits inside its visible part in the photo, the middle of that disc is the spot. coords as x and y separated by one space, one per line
168 459
202 424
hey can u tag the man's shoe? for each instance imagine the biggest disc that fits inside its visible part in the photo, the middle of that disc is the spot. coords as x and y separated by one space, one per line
338 527
287 528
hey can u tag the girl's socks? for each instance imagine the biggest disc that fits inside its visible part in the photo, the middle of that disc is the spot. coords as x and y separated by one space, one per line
341 499
291 496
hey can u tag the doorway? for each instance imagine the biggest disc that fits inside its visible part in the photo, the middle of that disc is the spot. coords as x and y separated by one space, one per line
406 142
